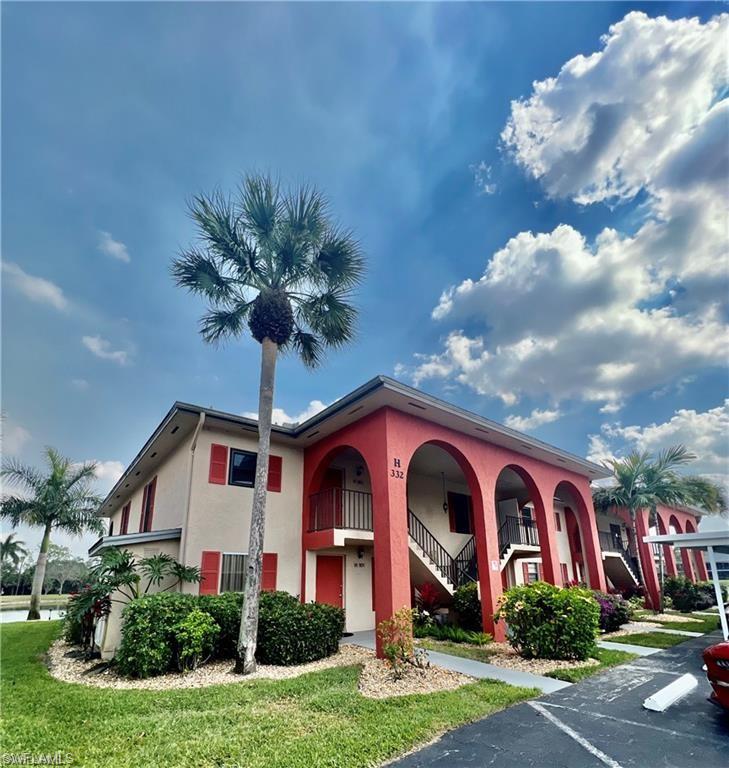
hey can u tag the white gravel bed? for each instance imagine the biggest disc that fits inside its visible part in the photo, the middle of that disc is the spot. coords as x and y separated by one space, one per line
376 680
671 618
503 655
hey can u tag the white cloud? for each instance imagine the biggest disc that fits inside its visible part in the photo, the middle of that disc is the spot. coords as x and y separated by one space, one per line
108 473
704 433
535 419
102 348
114 248
80 384
36 289
555 315
482 178
281 417
13 438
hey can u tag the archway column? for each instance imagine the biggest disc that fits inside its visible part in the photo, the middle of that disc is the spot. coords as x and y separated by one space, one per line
542 498
668 554
701 571
688 566
592 552
487 557
647 561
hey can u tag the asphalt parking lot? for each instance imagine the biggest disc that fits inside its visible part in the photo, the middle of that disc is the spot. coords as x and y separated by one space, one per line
599 722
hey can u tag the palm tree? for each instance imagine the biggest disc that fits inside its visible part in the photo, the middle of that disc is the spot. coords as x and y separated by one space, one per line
644 481
13 550
272 260
60 499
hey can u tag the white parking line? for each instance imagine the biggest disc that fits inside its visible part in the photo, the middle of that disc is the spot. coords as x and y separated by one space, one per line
583 742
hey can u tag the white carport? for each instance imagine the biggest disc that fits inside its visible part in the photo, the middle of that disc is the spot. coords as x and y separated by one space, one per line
710 542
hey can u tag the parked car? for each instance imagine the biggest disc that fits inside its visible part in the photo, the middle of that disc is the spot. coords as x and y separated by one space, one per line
716 658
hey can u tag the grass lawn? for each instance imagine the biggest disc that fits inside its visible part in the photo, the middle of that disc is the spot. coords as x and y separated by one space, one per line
23 601
318 719
650 639
693 622
476 652
603 655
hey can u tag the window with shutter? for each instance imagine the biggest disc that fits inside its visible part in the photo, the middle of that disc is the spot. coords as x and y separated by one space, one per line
210 571
557 521
218 464
124 526
565 573
268 575
275 472
145 521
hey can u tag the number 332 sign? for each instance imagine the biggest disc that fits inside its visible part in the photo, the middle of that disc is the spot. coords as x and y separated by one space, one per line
395 471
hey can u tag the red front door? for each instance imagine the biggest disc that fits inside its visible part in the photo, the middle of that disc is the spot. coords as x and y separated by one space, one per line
329 579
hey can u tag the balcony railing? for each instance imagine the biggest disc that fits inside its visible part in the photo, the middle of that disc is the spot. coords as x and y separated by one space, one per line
609 542
517 530
340 508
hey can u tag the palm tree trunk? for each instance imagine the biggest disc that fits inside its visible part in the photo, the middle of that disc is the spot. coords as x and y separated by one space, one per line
653 522
638 561
39 576
246 660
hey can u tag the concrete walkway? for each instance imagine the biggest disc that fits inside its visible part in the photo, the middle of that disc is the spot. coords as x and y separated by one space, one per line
473 668
638 650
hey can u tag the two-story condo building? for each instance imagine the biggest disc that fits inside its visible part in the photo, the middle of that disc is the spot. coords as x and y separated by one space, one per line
380 492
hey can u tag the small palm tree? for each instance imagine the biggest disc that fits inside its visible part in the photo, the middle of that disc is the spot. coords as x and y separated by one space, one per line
13 550
645 482
60 499
274 261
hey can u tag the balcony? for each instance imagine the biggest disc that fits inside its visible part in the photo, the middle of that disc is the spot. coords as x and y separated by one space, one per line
340 508
517 531
609 542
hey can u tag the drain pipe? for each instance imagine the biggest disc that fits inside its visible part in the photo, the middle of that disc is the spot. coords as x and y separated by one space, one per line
193 445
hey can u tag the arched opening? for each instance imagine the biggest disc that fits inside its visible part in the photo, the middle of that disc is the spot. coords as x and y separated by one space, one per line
680 556
568 508
338 543
696 556
668 553
440 505
520 513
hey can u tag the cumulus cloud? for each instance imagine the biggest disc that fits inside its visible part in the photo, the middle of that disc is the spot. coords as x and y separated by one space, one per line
704 433
114 248
281 417
36 289
102 348
555 314
108 473
535 419
13 438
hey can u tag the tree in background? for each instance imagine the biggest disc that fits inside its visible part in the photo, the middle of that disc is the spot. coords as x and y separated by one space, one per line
644 481
274 261
63 567
58 499
12 550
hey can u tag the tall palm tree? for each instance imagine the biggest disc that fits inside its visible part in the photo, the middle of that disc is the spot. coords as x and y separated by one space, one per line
644 482
275 261
12 549
60 499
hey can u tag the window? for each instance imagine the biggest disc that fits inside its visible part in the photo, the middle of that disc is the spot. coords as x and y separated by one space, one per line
111 528
526 516
233 575
145 520
557 521
531 572
459 513
565 573
242 468
124 528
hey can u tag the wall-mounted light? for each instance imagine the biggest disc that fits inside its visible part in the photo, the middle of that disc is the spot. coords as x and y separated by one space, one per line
360 553
445 495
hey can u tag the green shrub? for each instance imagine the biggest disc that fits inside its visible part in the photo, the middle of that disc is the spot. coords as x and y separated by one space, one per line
148 645
225 609
396 636
452 634
614 611
195 637
468 607
548 622
685 596
291 632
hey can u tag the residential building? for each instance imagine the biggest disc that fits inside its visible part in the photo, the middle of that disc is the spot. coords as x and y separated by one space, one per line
380 492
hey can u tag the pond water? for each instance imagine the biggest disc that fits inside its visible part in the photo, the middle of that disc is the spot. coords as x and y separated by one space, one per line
14 614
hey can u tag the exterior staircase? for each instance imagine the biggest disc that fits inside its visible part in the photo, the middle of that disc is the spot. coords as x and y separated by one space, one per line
517 537
450 572
618 562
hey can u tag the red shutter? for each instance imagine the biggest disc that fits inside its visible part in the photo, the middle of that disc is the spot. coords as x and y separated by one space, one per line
373 582
218 464
525 572
275 470
540 572
451 516
268 576
124 528
565 573
210 569
557 521
144 506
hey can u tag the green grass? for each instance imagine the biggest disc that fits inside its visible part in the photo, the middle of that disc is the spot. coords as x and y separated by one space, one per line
693 622
23 601
317 719
650 639
478 653
603 655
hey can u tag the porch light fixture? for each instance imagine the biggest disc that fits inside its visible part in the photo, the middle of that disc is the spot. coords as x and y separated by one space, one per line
445 496
360 553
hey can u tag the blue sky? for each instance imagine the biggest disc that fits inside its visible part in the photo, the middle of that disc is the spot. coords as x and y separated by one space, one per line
113 115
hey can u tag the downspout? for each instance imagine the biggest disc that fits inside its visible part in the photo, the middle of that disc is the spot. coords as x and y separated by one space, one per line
193 445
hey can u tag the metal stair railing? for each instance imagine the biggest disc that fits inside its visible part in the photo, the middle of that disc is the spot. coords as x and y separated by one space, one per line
434 550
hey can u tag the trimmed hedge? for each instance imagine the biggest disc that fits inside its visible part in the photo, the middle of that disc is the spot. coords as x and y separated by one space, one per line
549 622
289 632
